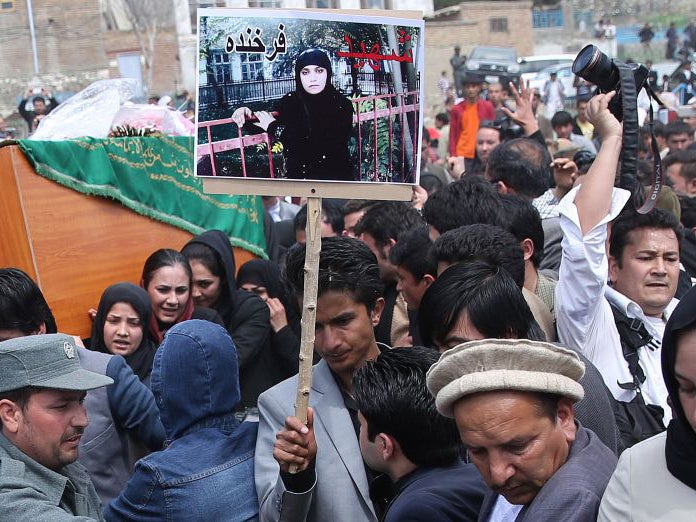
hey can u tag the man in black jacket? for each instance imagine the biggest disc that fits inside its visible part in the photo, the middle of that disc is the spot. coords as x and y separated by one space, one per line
43 103
403 436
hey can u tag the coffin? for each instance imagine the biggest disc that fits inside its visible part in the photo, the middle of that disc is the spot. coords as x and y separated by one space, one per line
75 245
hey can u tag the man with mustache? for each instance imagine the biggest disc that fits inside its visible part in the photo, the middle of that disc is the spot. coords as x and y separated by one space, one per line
613 305
42 389
513 403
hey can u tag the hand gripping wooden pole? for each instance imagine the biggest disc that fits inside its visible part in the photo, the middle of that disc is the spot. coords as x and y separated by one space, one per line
309 309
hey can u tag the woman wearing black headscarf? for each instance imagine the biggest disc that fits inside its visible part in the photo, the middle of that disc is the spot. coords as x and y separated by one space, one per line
245 315
263 278
656 478
121 327
317 121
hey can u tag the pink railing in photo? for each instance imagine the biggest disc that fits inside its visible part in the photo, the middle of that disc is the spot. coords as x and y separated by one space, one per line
406 110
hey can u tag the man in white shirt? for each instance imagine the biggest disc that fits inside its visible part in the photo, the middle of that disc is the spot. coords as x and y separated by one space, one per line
638 277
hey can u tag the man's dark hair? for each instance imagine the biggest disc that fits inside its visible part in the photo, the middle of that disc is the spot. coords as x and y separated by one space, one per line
22 305
330 213
489 297
487 243
677 127
412 253
443 117
346 264
300 219
20 397
561 118
355 205
490 124
431 183
386 220
465 202
687 159
547 405
522 164
688 211
525 223
630 220
658 128
392 396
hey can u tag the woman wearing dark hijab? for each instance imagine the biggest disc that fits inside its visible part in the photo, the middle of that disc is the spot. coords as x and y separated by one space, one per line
167 279
245 315
317 121
656 479
121 327
263 278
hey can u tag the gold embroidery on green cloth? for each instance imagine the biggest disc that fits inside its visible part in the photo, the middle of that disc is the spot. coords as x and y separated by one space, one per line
152 176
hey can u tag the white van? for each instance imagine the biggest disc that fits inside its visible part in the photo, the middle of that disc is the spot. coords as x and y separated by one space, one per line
530 65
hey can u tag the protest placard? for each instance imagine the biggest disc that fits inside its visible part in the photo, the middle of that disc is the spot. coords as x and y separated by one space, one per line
309 103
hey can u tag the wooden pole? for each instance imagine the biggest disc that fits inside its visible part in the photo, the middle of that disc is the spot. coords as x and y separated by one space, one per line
309 309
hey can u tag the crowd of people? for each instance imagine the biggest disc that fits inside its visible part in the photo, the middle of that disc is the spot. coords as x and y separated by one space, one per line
515 343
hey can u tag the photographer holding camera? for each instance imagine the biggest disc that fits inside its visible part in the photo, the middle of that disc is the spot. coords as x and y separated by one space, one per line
43 103
618 325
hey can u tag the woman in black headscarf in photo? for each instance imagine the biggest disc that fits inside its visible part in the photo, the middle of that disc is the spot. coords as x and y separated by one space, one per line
656 478
317 121
121 327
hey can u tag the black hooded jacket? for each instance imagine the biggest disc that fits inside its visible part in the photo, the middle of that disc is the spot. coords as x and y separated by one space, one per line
247 319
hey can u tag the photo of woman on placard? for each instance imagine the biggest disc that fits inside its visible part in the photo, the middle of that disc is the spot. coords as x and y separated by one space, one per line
316 122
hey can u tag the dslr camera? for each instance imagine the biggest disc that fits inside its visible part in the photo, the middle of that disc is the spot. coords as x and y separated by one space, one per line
597 68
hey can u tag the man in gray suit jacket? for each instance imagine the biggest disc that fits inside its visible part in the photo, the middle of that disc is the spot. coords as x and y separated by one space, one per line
332 482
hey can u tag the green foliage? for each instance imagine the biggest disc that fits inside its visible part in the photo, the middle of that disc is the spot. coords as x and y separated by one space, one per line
367 134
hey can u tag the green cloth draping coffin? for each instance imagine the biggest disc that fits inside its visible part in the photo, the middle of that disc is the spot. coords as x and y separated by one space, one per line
152 176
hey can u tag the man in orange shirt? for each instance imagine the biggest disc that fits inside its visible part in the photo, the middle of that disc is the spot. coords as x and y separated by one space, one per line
465 118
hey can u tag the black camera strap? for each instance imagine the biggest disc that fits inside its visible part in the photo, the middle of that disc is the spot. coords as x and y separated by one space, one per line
631 135
656 180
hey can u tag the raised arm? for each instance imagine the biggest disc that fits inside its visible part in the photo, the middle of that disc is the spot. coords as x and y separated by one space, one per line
582 315
594 196
523 114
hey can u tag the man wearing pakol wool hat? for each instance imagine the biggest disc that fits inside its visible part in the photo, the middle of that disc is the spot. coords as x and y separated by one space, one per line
512 400
42 388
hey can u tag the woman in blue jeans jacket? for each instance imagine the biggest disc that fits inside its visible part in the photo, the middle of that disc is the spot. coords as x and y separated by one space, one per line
206 471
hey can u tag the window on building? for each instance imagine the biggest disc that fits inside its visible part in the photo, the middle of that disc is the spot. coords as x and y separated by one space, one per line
7 5
265 3
221 67
499 25
373 4
252 66
195 4
323 4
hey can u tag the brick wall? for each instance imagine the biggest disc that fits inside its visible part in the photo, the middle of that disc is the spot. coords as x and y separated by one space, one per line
165 77
468 27
69 47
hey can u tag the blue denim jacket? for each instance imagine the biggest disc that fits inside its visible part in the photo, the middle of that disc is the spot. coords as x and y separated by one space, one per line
206 472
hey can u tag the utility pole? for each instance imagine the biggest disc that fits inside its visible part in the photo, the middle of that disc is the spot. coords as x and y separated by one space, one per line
32 32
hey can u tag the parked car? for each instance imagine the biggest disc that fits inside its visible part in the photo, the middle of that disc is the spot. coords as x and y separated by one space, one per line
565 75
530 65
494 64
